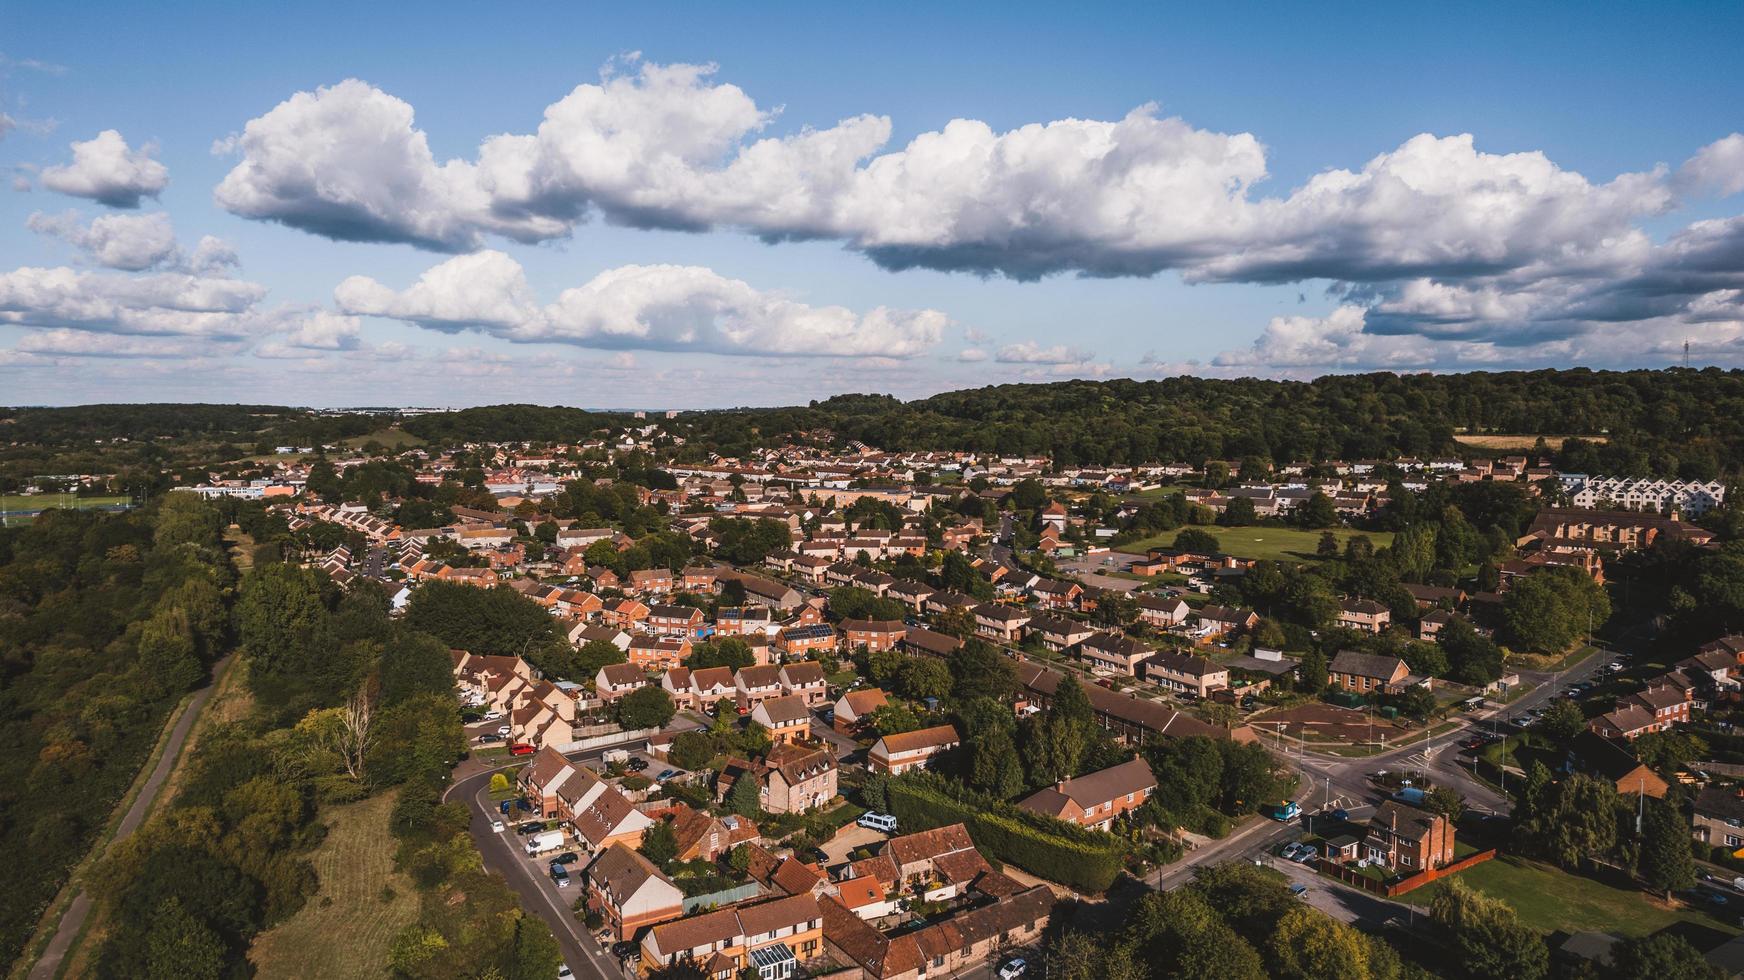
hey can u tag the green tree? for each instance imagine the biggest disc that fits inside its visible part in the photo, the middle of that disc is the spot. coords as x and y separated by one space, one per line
1661 956
1196 541
1562 719
978 670
893 718
692 750
645 707
496 622
994 767
745 798
1078 955
1317 512
1239 512
1327 548
1312 672
415 663
595 654
659 844
181 947
925 677
1486 935
167 653
1309 945
1665 863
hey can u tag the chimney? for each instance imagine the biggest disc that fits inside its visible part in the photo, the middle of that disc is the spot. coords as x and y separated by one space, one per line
1060 787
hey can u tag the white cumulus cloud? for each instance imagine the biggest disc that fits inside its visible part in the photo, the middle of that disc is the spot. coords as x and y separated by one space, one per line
640 307
106 170
120 241
1030 352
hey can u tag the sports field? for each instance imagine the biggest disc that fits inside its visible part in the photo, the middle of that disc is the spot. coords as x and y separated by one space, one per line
23 507
1274 543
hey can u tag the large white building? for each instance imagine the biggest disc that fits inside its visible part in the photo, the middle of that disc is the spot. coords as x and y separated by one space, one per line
1630 493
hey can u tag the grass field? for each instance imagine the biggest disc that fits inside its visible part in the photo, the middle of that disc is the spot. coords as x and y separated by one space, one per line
1550 900
30 503
347 927
1493 441
392 437
1276 543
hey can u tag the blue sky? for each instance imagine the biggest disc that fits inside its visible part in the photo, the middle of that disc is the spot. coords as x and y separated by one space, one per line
1296 203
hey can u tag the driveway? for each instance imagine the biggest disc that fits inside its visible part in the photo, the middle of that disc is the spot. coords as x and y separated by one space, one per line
847 839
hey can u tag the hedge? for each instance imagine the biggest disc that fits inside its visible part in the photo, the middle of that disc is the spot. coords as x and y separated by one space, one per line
1050 848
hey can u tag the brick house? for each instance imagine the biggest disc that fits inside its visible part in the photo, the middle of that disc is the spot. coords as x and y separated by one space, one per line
1114 652
1408 839
1361 673
790 778
898 753
876 635
682 621
1366 615
853 710
657 652
771 936
1095 800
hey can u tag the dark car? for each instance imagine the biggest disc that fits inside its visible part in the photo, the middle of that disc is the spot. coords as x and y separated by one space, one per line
531 827
1341 814
624 948
567 857
489 737
636 765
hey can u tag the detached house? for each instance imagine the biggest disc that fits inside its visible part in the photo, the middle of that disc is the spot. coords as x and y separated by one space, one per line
898 753
1408 839
853 710
790 778
1361 673
1095 800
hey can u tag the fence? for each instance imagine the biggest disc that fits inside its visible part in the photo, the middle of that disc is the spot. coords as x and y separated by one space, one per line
726 897
1357 879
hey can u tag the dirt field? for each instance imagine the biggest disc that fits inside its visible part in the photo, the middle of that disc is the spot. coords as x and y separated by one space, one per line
347 927
1326 723
1492 441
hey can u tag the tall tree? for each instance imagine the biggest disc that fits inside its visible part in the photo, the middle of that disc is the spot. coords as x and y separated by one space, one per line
1666 864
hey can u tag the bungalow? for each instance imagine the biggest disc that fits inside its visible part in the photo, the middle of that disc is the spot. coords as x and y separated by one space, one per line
1184 672
630 892
787 718
1095 800
853 710
898 753
1000 622
581 537
805 680
1406 838
1432 596
1114 652
1366 615
584 633
1361 673
875 635
616 680
1605 759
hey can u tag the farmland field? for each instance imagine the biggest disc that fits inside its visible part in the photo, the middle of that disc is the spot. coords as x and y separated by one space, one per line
1517 443
1275 543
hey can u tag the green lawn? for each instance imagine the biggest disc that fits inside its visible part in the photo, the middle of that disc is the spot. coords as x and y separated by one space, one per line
1277 543
1549 899
40 501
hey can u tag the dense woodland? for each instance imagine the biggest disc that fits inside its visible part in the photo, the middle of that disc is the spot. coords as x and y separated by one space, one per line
105 622
1673 422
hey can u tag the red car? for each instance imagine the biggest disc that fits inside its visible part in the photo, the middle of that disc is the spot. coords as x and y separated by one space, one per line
521 748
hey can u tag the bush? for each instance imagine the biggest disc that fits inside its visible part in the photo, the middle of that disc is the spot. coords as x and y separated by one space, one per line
1044 846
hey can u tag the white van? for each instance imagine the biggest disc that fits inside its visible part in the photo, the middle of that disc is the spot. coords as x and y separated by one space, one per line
545 840
884 823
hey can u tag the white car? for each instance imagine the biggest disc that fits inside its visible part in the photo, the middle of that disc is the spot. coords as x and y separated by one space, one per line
496 826
564 972
1014 969
492 715
504 730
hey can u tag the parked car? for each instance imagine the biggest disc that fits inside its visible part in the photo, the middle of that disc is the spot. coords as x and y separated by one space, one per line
1341 814
521 748
636 765
489 737
530 827
567 857
1306 855
564 972
1299 890
496 826
665 774
493 715
624 948
1015 967
1290 851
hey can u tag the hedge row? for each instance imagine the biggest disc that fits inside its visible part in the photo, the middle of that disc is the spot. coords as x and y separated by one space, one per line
1053 849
